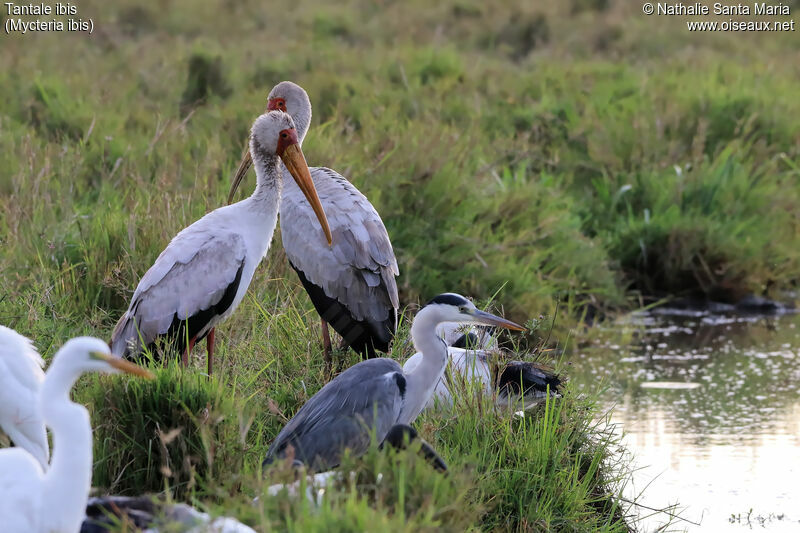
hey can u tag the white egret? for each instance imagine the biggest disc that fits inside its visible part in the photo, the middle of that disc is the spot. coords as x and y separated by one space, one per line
202 276
352 283
53 501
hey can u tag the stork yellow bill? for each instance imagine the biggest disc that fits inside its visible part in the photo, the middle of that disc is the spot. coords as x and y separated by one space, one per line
292 156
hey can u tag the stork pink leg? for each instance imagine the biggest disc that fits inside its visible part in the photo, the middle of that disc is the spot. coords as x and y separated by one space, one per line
326 343
185 358
210 349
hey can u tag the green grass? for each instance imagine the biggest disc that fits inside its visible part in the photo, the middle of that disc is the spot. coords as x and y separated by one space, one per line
577 152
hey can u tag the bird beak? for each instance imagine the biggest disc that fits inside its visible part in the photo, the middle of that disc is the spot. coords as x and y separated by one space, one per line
122 365
244 166
483 317
295 162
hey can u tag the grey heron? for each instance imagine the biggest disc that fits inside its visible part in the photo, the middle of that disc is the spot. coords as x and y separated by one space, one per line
374 395
39 500
21 377
203 274
352 283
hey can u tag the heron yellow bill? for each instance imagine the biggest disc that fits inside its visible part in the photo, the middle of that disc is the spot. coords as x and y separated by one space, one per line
123 365
295 162
244 166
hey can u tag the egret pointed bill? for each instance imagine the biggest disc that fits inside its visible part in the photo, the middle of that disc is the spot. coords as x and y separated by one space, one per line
123 365
292 156
489 319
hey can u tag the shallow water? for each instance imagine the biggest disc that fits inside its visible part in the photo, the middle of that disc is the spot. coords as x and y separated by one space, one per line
710 407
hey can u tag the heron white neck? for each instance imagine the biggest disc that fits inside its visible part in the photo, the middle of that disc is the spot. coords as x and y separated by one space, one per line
68 480
421 382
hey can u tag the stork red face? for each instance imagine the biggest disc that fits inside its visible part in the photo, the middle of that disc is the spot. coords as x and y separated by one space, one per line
276 104
285 139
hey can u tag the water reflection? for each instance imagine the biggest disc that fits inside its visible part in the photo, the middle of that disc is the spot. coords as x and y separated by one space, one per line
717 423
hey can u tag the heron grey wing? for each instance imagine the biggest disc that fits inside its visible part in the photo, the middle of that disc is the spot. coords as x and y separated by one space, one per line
359 269
193 282
365 397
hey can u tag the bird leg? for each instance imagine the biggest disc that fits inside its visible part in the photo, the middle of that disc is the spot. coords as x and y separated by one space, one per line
210 349
326 344
185 358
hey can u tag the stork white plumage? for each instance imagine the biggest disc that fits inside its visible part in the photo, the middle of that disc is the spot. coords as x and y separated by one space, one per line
376 394
21 377
352 283
202 276
39 501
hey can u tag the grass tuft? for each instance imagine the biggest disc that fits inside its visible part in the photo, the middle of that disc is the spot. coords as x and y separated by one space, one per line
178 433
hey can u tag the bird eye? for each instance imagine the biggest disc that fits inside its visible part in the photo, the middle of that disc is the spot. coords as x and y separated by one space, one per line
284 135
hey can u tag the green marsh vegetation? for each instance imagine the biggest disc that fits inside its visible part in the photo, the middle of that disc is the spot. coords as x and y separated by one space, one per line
580 153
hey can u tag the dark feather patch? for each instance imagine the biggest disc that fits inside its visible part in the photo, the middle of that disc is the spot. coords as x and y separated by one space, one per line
401 435
526 378
449 298
181 330
401 384
363 336
102 514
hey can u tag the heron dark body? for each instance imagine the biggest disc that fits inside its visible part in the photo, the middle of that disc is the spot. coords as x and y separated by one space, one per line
363 401
524 377
182 330
365 337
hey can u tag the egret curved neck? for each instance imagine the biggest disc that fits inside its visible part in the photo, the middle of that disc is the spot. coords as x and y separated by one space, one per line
69 478
421 381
